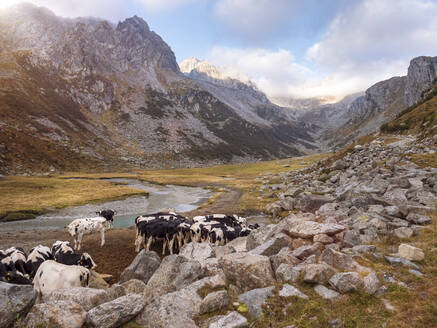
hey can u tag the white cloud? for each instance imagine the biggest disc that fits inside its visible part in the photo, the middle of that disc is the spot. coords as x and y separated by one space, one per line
254 18
112 10
275 72
375 40
162 5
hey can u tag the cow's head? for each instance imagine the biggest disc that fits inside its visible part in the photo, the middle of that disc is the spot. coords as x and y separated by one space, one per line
87 262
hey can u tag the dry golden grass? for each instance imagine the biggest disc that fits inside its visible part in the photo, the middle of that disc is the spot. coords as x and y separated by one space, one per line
39 193
237 176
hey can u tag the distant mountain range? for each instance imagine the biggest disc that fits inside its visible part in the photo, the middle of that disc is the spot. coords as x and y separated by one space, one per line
84 93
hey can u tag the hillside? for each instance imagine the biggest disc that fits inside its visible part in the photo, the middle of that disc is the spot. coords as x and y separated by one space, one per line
88 94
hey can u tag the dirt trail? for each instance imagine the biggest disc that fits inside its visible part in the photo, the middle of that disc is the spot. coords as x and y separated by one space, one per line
119 250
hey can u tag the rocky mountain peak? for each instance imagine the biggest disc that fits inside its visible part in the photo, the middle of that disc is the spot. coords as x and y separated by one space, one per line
421 73
202 68
133 24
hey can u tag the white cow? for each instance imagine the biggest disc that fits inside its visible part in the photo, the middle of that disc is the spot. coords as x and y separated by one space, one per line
80 227
52 275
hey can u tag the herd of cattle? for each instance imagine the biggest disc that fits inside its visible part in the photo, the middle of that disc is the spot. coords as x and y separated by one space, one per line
61 266
47 268
175 230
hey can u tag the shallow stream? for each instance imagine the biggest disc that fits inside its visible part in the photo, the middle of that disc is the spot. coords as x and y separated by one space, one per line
181 199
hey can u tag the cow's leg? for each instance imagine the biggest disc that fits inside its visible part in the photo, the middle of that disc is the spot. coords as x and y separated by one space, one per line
102 236
137 244
170 245
149 243
79 240
164 244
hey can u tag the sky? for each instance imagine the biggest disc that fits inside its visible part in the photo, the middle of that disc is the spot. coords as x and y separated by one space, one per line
289 48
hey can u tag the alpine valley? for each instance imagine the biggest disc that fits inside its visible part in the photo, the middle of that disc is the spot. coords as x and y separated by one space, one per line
88 94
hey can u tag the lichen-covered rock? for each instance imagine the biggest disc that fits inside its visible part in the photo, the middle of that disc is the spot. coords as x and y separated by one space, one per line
318 273
371 283
177 309
115 313
288 272
308 229
284 256
231 320
142 267
289 290
247 271
197 251
272 245
410 252
255 298
239 244
341 261
133 286
347 282
59 314
15 301
403 232
326 293
214 301
175 272
257 237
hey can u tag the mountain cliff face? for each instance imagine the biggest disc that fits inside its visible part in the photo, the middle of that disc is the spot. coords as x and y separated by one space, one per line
85 93
422 72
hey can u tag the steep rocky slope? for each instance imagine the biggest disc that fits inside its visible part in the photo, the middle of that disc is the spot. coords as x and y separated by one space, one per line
83 93
382 103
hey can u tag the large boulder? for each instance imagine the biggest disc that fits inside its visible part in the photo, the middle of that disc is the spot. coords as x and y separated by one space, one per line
15 301
284 256
305 251
247 271
273 245
59 314
288 272
175 272
115 313
371 283
239 244
177 309
308 229
410 252
396 196
214 301
142 267
341 261
255 298
326 293
197 251
133 286
231 320
87 298
318 273
347 282
311 203
257 237
289 291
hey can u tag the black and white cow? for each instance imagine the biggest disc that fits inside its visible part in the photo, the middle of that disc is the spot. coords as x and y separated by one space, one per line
61 246
13 277
80 227
167 227
15 259
109 216
36 257
64 253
